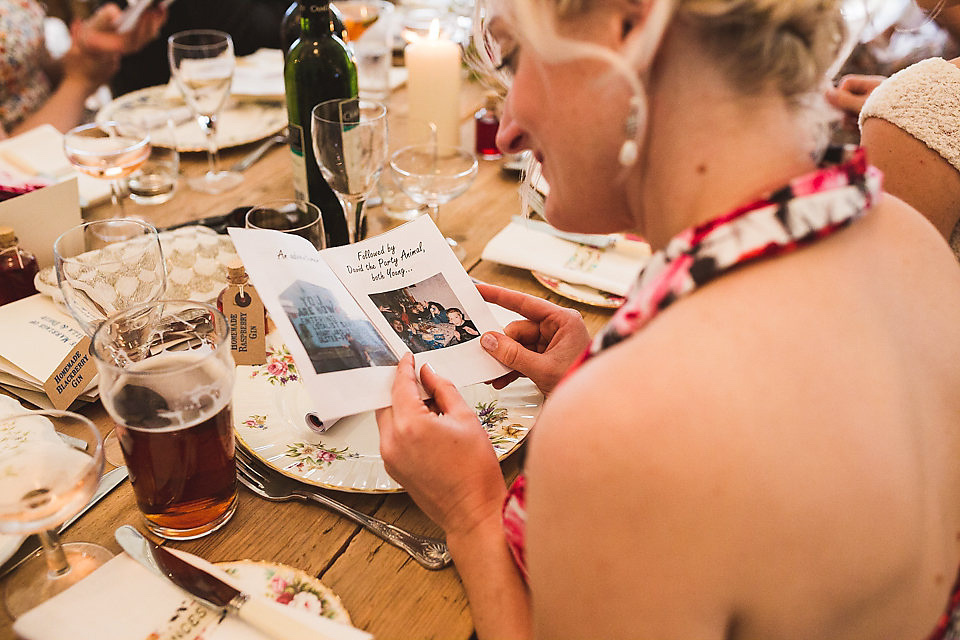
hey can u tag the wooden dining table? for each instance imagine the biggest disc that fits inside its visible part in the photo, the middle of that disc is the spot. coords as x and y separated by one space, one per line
385 591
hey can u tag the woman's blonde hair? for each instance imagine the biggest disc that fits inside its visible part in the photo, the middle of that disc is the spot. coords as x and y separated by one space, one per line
785 44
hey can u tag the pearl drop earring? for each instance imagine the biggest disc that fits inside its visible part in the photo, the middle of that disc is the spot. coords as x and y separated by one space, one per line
630 149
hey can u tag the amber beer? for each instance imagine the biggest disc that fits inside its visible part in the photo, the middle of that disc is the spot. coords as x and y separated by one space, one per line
172 407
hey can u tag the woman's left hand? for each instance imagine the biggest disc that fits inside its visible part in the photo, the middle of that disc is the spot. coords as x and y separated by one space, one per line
445 461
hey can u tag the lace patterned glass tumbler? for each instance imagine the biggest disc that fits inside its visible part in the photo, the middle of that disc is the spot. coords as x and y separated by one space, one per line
104 267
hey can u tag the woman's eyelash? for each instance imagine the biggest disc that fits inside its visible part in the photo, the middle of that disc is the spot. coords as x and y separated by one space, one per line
508 61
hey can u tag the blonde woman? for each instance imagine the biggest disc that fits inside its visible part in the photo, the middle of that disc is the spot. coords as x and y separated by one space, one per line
763 442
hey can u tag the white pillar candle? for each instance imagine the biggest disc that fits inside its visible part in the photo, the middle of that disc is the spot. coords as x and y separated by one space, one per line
433 87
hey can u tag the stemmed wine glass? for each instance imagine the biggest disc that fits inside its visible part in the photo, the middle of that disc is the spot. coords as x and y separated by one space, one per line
350 144
44 482
202 64
106 266
109 151
434 174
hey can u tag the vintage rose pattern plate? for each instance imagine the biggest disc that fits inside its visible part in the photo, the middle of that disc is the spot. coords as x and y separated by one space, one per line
269 416
278 582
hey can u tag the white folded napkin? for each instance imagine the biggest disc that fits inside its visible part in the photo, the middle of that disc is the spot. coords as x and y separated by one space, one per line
528 246
259 75
124 600
39 153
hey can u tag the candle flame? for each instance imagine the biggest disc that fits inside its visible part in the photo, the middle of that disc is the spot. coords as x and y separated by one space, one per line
435 29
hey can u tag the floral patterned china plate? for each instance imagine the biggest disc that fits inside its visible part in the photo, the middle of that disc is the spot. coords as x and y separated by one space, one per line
278 582
269 413
579 292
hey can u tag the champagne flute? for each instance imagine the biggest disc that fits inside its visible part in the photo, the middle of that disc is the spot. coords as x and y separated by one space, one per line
45 481
434 174
202 64
106 266
109 151
350 144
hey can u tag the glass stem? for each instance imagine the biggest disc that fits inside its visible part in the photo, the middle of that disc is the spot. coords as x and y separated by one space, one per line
360 221
434 212
209 126
116 197
57 564
355 216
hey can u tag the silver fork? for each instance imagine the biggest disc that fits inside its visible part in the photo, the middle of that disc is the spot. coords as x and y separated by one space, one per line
267 483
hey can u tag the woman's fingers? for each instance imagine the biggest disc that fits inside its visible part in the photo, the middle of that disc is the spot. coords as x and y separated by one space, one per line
528 306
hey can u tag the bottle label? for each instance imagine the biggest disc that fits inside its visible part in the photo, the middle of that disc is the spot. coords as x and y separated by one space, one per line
244 312
71 376
299 164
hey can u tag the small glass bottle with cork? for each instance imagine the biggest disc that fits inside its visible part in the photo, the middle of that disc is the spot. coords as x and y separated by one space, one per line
18 268
487 121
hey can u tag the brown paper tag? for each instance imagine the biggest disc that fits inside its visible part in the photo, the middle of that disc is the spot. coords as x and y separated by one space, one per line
71 376
248 342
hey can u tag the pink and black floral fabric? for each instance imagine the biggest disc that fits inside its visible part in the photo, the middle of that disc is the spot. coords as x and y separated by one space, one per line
23 84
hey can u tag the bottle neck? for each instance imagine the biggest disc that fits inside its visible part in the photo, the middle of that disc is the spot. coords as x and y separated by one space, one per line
315 18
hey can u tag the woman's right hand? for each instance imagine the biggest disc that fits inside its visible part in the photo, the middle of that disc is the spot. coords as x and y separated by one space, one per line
542 347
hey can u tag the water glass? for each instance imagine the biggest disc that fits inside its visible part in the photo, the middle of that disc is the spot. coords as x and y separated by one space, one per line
370 29
299 218
166 379
155 182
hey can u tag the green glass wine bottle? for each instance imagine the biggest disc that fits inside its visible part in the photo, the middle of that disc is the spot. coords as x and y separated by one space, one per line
318 67
290 25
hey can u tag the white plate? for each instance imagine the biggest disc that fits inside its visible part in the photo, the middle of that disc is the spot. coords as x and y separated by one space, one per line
270 405
9 545
241 122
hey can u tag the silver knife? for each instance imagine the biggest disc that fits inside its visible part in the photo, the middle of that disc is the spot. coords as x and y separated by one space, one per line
269 618
31 545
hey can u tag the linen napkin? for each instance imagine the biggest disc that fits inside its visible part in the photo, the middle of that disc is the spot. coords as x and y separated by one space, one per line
123 600
529 246
38 153
259 75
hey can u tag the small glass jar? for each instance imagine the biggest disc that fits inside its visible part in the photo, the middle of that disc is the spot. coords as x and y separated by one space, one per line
487 121
18 268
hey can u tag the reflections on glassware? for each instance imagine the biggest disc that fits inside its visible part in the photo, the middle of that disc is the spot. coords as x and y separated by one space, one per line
166 379
397 205
155 182
289 216
45 482
370 30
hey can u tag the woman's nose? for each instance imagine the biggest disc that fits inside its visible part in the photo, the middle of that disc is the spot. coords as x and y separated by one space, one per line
510 135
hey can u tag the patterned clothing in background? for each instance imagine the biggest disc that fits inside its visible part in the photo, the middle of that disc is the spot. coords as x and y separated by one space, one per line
23 84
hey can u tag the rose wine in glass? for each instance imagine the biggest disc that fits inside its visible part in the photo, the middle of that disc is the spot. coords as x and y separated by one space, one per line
45 482
202 63
108 151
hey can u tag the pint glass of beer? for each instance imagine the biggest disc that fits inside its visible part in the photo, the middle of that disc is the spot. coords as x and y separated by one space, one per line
166 379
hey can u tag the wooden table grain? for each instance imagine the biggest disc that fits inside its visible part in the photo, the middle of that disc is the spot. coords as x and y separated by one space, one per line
386 592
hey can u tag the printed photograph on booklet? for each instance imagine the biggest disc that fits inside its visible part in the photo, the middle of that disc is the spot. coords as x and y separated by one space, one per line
335 311
426 315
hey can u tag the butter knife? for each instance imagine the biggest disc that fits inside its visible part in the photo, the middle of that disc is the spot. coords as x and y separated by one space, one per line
269 618
31 545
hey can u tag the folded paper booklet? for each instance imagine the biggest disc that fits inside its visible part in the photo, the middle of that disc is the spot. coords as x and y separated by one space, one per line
45 359
537 246
347 314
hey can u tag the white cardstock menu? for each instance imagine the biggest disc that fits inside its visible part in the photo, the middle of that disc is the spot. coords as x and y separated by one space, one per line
347 314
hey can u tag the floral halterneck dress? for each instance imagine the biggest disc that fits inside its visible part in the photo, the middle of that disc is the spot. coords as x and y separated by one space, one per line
809 208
